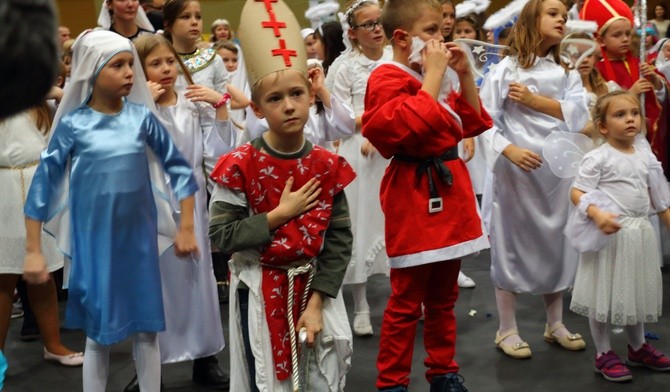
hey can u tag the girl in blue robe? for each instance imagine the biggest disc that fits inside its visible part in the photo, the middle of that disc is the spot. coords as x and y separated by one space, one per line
100 189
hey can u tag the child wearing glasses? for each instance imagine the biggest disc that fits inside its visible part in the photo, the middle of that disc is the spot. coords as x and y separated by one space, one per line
365 42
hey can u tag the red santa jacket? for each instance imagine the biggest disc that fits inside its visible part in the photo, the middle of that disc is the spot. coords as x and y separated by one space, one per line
400 120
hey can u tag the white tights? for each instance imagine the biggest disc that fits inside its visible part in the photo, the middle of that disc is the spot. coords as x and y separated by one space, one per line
147 363
506 303
601 335
359 291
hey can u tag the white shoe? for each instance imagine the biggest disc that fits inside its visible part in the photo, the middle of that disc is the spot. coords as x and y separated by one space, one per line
74 359
464 281
362 326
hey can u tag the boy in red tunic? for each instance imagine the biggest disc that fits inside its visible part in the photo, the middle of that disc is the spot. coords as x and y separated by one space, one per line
279 204
426 194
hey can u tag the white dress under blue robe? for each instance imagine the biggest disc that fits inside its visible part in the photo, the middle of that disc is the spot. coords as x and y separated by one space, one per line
528 211
115 286
192 315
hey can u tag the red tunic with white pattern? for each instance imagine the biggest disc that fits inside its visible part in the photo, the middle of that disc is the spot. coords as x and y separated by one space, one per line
262 178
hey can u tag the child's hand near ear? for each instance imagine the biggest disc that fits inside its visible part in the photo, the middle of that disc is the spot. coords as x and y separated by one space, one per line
458 61
435 62
317 77
197 93
156 90
436 57
292 204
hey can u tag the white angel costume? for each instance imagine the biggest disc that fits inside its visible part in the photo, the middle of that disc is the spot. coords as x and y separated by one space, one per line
191 305
528 211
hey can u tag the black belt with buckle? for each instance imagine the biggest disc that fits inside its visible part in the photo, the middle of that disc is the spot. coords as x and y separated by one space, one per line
427 165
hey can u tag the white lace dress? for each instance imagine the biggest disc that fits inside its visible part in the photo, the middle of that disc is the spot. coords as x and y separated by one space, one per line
621 283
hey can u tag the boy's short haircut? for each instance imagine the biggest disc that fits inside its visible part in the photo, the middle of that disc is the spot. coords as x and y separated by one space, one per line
402 14
256 88
227 45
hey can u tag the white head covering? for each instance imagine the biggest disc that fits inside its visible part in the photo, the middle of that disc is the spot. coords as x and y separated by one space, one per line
662 64
91 51
306 32
321 12
141 20
581 26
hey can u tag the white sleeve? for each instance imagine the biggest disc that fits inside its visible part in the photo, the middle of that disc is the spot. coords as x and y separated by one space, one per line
660 93
574 104
659 191
220 75
590 169
219 136
492 94
580 231
340 121
227 195
255 126
342 86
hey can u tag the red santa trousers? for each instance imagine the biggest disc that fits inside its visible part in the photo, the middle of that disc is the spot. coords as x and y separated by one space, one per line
435 286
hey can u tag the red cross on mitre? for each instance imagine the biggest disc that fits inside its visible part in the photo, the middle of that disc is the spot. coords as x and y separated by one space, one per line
284 52
274 24
268 3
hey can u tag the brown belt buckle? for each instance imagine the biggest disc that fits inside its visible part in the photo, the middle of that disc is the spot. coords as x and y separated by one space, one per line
435 205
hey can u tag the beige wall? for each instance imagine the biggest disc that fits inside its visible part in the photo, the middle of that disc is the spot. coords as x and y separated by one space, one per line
78 15
81 14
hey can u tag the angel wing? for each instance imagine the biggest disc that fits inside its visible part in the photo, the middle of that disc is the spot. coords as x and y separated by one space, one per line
482 56
563 151
575 50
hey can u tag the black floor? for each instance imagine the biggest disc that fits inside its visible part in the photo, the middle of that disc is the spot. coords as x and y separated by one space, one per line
483 366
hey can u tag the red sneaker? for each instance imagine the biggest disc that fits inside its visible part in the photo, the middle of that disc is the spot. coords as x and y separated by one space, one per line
612 368
649 357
